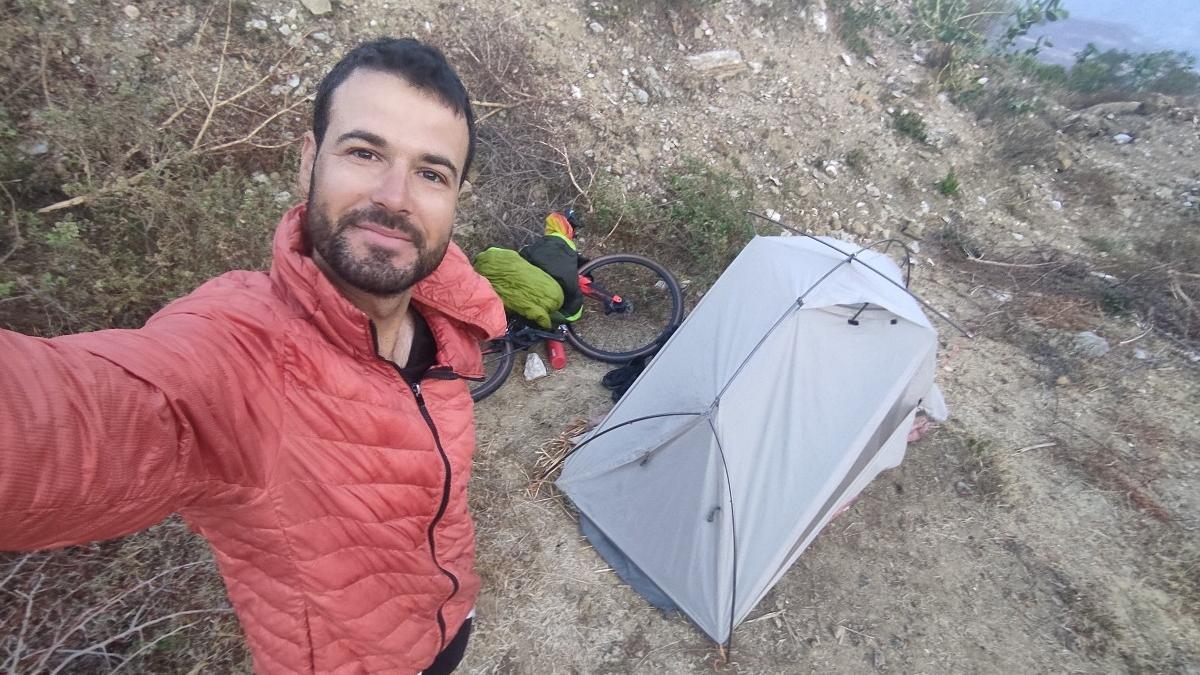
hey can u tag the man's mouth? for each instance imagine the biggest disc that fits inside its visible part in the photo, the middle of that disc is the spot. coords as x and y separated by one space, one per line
383 231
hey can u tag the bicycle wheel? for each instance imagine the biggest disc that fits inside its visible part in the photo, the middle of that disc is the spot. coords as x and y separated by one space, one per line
498 357
632 304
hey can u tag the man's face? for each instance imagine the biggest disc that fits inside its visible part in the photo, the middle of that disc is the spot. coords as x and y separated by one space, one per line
383 184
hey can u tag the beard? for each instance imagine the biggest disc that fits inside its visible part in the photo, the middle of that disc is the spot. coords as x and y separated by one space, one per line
374 273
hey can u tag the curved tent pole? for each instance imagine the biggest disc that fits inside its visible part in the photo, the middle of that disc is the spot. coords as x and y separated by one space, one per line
852 257
732 531
907 255
626 423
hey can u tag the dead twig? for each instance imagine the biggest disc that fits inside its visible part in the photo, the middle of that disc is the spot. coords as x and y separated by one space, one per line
1139 337
1039 446
142 626
42 71
997 263
151 644
16 228
214 104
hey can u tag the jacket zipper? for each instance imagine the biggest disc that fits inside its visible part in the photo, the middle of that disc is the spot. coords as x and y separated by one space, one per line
415 388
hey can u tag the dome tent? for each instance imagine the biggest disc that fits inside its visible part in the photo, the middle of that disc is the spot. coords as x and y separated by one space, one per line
792 384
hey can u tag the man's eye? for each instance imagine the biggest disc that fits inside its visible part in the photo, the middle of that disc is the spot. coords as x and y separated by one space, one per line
433 176
363 154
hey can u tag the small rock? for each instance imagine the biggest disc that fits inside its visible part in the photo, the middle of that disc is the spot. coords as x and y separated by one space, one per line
36 148
963 488
595 27
322 36
1062 381
870 61
534 367
576 92
1091 345
1140 354
820 20
257 24
1122 139
641 95
283 196
1157 103
847 59
285 30
718 62
653 83
831 169
293 81
132 12
1056 205
774 215
317 7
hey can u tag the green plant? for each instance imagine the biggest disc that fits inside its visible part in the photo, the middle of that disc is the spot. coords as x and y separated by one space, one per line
858 160
948 186
961 29
1165 72
708 208
911 124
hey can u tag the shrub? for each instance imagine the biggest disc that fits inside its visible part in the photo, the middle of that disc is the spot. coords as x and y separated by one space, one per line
948 186
911 124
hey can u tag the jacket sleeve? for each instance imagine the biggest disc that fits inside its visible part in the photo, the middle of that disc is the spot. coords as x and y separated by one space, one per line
107 433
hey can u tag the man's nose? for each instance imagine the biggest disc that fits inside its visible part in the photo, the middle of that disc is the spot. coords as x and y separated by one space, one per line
392 190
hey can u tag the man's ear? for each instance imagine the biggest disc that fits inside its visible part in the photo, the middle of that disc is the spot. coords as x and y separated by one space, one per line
308 156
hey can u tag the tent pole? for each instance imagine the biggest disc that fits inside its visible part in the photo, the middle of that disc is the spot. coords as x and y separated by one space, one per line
851 257
589 439
732 532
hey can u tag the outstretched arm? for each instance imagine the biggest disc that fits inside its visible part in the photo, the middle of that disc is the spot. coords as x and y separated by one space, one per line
107 433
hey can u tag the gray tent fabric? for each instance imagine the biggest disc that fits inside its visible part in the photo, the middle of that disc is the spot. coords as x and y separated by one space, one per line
791 385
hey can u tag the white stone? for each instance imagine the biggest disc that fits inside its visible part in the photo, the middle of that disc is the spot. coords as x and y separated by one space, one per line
718 60
257 24
534 367
132 12
1122 139
595 27
317 7
820 20
847 59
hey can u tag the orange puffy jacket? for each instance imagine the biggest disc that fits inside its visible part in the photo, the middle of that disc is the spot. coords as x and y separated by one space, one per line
333 493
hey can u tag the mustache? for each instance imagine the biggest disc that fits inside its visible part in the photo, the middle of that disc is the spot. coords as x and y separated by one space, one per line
382 217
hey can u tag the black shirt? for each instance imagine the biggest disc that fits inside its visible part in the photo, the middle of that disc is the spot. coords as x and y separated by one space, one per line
422 355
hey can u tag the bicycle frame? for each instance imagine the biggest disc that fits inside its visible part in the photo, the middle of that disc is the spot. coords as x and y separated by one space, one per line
613 303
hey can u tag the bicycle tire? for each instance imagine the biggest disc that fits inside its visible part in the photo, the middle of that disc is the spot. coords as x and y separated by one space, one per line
662 301
497 370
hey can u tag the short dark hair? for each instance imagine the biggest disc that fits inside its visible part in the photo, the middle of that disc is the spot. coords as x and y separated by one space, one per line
420 65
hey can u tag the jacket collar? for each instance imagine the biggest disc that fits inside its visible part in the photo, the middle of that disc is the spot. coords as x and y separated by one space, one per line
459 305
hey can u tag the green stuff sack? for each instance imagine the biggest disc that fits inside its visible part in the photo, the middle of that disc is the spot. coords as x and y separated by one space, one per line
525 289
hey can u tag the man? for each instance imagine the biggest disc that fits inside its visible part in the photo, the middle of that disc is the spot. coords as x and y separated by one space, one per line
312 423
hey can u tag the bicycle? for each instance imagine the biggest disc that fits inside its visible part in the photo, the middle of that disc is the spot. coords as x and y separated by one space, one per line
614 327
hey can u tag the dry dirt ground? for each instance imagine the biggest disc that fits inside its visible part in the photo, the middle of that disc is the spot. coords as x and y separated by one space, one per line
1049 526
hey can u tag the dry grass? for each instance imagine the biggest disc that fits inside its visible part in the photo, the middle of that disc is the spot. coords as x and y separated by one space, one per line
552 454
148 603
525 163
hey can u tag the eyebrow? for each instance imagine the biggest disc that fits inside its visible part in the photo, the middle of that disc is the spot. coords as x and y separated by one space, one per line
365 136
379 142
